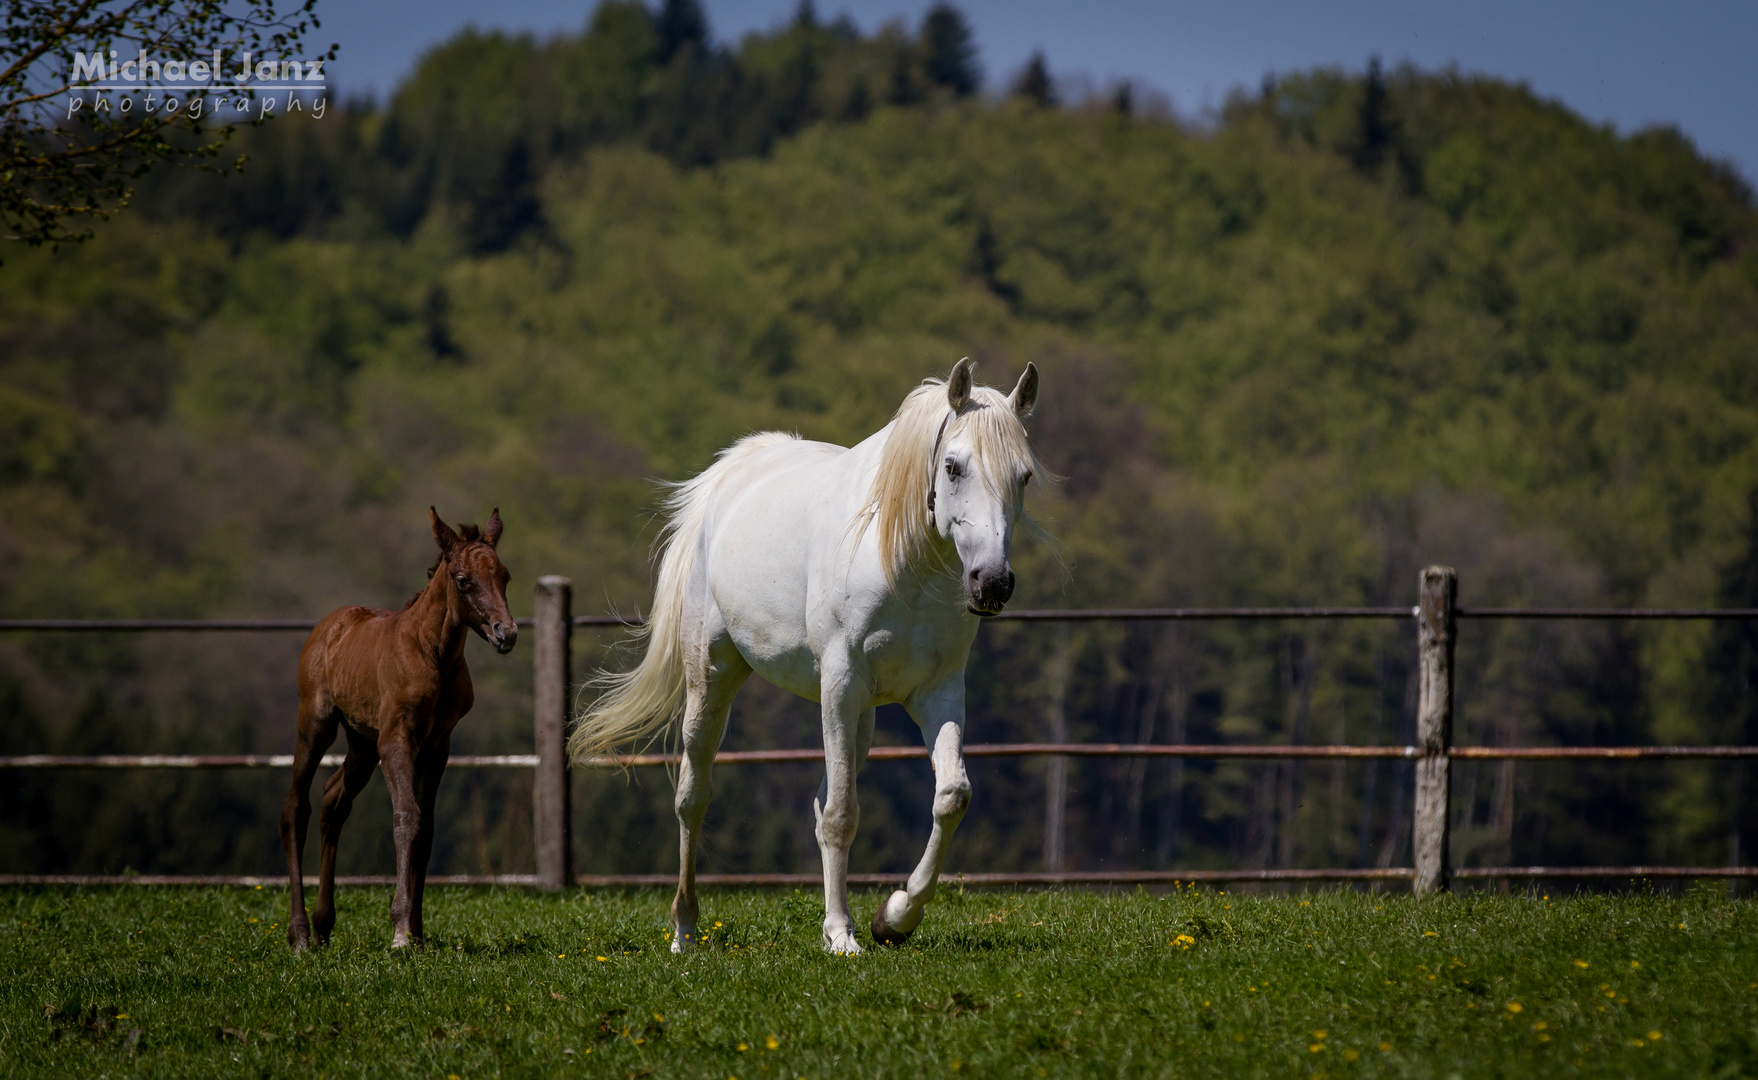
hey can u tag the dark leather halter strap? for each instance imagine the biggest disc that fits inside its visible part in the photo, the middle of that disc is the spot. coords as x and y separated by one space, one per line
935 453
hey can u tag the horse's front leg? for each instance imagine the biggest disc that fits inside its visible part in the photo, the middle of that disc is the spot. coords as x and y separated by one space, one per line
940 713
398 761
848 733
430 766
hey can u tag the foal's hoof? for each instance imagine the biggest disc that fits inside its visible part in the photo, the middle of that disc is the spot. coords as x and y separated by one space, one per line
883 933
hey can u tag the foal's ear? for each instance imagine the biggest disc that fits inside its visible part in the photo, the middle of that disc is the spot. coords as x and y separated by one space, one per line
1025 392
442 533
491 533
958 384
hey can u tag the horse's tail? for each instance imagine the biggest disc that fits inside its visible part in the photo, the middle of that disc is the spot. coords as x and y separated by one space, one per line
641 705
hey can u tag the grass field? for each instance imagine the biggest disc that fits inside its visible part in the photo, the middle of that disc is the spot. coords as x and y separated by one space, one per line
143 982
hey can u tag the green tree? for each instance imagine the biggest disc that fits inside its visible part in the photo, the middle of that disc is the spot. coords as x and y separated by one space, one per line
949 51
1034 83
62 167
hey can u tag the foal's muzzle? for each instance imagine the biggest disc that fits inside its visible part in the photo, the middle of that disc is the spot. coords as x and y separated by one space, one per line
503 636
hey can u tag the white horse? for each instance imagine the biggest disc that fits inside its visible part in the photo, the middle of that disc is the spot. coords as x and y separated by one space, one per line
852 577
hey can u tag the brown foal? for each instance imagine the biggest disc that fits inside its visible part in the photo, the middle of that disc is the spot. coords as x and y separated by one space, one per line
398 684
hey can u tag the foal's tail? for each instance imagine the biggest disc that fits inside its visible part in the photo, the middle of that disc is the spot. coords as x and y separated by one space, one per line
641 705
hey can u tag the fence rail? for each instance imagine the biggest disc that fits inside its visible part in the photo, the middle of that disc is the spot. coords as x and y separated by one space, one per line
1436 615
806 755
1206 614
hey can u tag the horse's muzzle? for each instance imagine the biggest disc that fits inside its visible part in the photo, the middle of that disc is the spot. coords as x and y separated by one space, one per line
503 637
988 593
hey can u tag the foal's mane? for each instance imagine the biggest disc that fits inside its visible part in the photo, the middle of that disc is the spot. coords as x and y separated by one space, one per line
898 508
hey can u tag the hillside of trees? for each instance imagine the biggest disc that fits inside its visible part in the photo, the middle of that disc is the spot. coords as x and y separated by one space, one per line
1351 324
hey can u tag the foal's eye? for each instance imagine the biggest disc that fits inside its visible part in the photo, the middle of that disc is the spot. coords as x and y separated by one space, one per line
463 582
952 469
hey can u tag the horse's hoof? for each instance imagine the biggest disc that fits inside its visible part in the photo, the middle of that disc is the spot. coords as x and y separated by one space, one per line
683 942
843 944
883 934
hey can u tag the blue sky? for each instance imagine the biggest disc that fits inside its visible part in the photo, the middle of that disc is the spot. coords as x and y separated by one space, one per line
1686 63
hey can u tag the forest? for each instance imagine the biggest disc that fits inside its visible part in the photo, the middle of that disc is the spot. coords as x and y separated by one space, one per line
1348 324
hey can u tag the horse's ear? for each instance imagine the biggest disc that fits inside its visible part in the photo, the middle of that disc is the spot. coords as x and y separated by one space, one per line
1025 392
491 533
958 384
442 533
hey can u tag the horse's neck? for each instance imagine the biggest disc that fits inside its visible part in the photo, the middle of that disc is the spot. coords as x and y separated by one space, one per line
431 624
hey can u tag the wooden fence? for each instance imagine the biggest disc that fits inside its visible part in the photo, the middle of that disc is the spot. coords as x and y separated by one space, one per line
1437 614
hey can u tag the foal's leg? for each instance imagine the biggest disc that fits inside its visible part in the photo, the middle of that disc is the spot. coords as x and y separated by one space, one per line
713 683
339 792
429 768
397 755
940 713
317 730
848 733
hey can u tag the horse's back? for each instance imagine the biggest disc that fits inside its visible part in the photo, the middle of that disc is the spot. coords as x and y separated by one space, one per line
776 527
326 651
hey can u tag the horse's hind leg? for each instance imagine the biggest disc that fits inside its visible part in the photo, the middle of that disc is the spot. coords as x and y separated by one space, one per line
317 730
940 713
339 792
714 679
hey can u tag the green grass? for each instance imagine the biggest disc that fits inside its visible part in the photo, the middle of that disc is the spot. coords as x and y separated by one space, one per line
1006 984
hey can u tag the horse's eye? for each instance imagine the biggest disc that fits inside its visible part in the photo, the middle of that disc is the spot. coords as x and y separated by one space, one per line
952 469
1027 480
463 582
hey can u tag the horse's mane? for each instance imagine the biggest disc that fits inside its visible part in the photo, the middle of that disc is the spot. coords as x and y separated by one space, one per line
898 508
470 534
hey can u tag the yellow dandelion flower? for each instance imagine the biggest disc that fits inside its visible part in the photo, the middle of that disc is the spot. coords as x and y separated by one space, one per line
770 1042
1654 1036
1637 1042
1321 1033
1429 933
1351 1055
1513 1006
1634 964
956 1064
1385 1048
604 959
1316 1047
743 1048
1582 964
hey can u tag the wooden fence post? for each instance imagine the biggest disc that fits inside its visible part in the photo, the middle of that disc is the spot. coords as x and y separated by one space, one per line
1434 725
549 794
